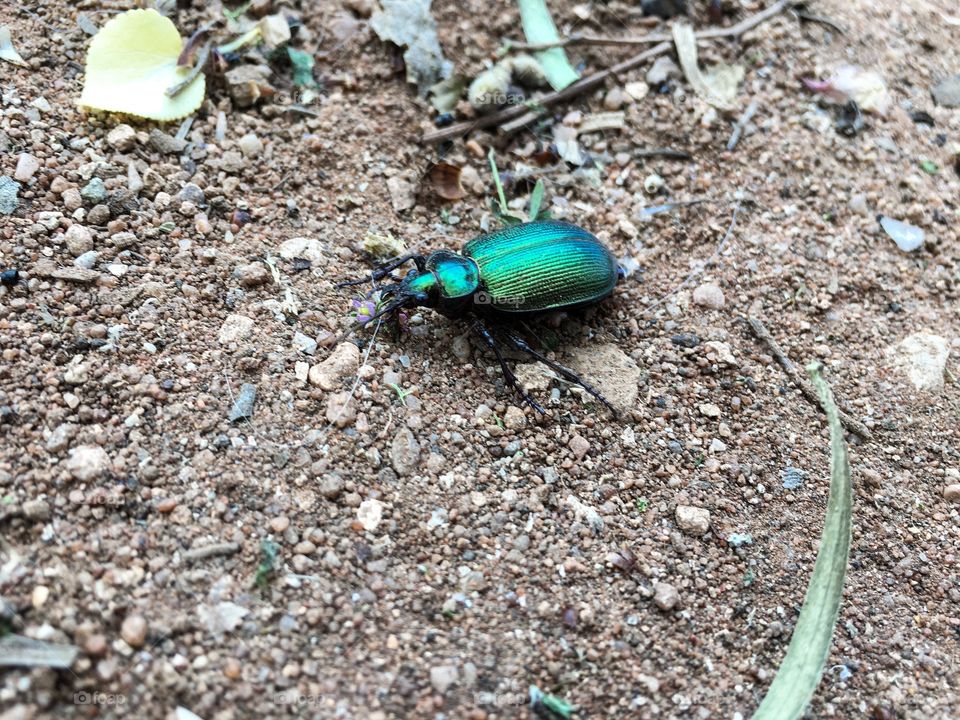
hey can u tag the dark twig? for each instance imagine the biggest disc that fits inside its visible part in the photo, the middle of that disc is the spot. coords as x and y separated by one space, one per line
522 115
800 380
653 38
208 551
517 111
202 56
819 19
668 153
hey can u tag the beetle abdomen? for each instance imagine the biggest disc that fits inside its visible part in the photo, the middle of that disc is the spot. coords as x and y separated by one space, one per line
542 266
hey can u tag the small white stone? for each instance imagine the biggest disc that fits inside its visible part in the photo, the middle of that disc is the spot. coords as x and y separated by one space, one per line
87 462
710 296
369 514
923 358
693 520
250 145
27 166
235 328
442 677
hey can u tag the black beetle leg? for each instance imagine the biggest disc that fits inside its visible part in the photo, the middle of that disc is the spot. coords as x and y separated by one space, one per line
382 271
511 379
564 372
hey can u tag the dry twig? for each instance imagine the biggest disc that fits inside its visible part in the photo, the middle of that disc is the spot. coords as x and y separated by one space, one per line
741 124
762 334
652 38
519 115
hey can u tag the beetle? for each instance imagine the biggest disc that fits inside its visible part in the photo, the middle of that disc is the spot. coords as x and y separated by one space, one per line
520 271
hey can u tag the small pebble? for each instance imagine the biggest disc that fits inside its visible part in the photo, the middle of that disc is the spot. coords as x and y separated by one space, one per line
693 520
665 596
27 166
134 630
78 239
709 295
122 138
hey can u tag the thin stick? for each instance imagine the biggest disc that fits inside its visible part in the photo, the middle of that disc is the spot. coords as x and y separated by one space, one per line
652 38
741 124
762 334
202 58
591 81
571 91
668 153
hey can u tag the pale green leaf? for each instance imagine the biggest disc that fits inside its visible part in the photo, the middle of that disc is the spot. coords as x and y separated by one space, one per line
538 28
7 51
536 200
801 669
132 62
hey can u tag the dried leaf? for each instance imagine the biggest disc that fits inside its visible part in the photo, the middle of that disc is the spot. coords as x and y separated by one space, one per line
383 246
717 86
132 62
445 180
565 138
7 51
408 23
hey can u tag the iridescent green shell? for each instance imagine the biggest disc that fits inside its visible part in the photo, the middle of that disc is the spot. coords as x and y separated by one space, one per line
539 266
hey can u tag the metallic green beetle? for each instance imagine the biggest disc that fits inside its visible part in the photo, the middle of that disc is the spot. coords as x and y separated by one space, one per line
515 272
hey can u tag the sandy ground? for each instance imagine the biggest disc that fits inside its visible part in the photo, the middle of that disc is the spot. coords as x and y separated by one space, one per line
437 548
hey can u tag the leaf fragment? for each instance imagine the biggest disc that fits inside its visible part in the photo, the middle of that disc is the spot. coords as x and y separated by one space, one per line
132 62
445 180
718 85
7 51
802 667
538 27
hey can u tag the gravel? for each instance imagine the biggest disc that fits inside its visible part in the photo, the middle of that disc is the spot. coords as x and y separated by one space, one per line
512 548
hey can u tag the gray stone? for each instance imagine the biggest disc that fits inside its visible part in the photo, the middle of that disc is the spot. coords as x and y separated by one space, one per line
122 138
404 452
947 91
94 192
166 144
9 190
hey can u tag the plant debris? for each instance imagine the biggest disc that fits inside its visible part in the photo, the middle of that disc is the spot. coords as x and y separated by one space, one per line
409 24
717 85
7 51
444 179
132 62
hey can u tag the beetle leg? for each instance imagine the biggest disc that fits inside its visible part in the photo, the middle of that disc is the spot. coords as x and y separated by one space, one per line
382 271
564 372
511 379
